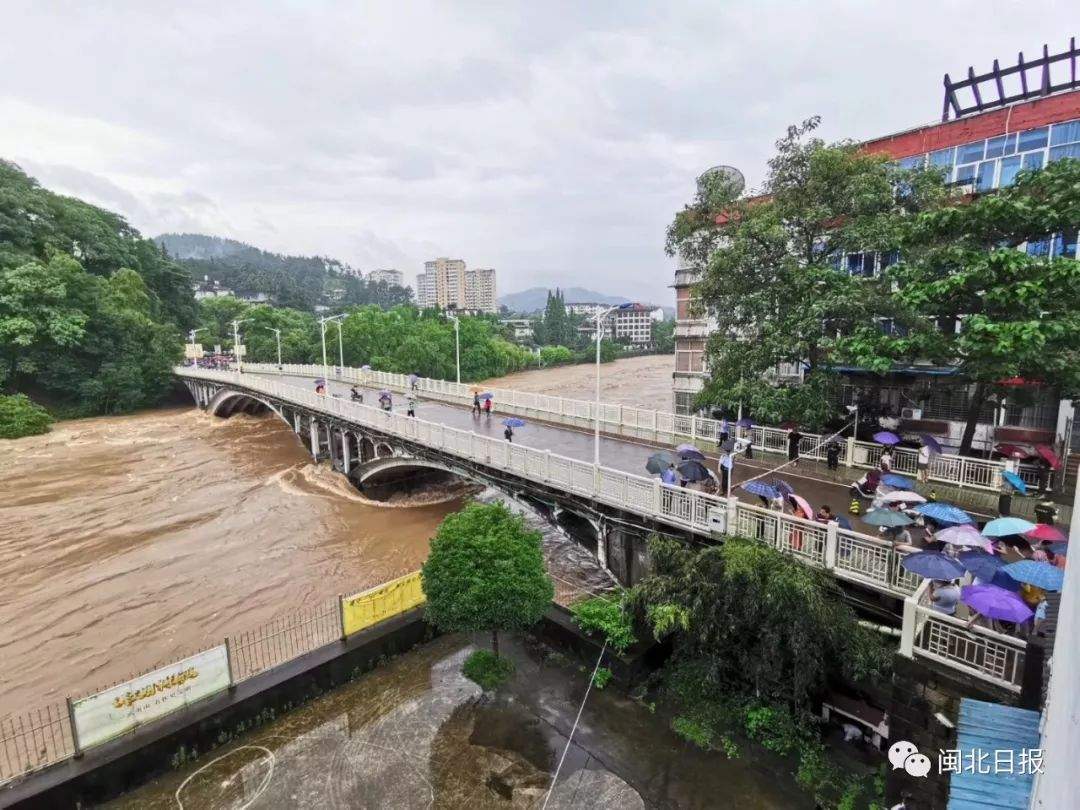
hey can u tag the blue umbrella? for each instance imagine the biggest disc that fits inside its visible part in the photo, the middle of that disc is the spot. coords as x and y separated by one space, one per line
514 422
1015 481
1003 580
485 395
761 489
932 443
898 481
1059 548
943 512
886 437
887 517
1040 574
981 564
690 451
783 487
1002 527
694 471
744 423
660 461
933 565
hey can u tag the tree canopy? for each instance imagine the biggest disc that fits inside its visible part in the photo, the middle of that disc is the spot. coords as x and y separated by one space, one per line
486 572
90 312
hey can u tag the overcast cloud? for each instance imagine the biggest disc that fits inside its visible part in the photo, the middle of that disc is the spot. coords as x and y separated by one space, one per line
552 141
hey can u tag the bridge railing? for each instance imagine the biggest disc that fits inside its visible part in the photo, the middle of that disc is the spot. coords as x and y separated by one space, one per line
662 426
863 559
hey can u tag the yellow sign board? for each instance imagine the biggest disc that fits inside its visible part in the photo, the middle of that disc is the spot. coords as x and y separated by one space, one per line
378 604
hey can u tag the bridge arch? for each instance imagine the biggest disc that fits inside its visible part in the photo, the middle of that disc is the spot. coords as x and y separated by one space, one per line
227 402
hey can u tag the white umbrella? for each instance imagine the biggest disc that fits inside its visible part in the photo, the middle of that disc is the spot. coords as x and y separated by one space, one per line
965 536
903 496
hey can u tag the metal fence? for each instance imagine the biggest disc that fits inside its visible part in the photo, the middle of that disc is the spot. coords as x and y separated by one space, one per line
36 739
661 426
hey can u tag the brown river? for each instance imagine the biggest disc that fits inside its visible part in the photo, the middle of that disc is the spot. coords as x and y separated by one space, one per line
129 541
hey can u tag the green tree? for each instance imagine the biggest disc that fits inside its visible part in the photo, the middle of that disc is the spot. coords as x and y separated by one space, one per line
664 337
772 279
486 573
20 417
968 297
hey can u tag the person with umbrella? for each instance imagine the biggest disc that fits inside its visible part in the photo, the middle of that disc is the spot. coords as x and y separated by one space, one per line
487 406
923 463
386 402
476 403
509 425
410 403
793 439
944 596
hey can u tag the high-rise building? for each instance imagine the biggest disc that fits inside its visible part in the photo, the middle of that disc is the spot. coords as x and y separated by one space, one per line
979 147
388 277
447 283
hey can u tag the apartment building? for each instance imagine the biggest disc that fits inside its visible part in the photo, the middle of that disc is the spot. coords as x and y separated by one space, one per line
630 323
449 284
1009 126
389 276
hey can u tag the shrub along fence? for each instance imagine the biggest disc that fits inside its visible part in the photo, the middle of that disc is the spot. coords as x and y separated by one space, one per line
37 739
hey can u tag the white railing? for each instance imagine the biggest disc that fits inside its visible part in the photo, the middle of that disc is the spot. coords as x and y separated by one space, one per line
662 426
976 650
815 543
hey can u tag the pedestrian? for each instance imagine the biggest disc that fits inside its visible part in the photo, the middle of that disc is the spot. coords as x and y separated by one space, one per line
1044 475
885 462
385 402
725 467
487 406
923 463
749 452
509 433
476 403
832 455
669 475
793 439
723 429
320 388
411 403
944 596
824 514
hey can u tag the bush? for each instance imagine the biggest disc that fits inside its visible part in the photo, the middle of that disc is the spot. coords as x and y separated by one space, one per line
607 617
487 670
602 677
694 731
19 417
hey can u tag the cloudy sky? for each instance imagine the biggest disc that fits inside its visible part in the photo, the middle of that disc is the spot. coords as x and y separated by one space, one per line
552 141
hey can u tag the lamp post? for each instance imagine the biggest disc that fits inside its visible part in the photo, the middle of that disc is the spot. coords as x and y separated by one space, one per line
322 329
237 351
600 315
457 344
854 409
277 334
191 336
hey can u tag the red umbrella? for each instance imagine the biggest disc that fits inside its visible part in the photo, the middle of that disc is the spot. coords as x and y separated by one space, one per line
1049 456
800 501
1043 531
1012 451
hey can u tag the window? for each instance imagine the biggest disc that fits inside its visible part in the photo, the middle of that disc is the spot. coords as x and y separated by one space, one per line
1033 161
1068 132
861 264
971 152
1001 145
1009 167
1061 152
1065 244
913 162
1033 139
965 174
985 180
942 158
1039 247
889 258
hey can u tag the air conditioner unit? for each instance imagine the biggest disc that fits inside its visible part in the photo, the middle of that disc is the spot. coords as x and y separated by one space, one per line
911 413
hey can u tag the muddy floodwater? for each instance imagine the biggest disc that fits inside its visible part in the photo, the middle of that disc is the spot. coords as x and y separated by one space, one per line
644 382
126 542
416 733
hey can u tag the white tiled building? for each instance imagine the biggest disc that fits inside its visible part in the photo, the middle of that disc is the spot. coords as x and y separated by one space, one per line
447 283
387 276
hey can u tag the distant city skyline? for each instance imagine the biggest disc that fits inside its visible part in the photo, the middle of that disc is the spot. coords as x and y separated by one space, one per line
554 142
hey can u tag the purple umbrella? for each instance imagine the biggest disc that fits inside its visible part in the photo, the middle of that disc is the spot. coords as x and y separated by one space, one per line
932 443
995 603
689 451
886 437
744 423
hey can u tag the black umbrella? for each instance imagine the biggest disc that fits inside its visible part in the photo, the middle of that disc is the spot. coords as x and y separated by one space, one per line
693 471
658 462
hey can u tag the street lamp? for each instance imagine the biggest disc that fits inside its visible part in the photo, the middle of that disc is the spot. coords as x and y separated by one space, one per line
600 315
855 410
191 336
457 344
237 352
322 326
277 334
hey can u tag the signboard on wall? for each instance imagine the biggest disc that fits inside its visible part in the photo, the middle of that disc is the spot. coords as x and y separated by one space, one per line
122 708
378 604
193 351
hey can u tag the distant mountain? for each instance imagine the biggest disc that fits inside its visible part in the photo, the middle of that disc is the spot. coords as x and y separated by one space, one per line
535 298
302 282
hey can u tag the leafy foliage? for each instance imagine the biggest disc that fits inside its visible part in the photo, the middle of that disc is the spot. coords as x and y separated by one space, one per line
487 670
602 677
486 572
607 617
90 312
20 417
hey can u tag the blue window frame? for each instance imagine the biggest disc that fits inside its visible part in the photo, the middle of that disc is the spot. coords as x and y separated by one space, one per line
970 152
1033 139
1010 166
1072 150
1068 132
985 180
1039 247
1033 160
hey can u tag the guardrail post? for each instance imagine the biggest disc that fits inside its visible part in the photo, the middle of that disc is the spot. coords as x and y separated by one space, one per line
831 542
547 465
732 509
76 748
907 631
849 456
341 615
693 429
230 663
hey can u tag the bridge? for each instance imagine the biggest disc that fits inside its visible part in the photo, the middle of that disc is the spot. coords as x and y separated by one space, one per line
550 462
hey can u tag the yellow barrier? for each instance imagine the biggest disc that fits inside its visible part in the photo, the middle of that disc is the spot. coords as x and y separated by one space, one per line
373 606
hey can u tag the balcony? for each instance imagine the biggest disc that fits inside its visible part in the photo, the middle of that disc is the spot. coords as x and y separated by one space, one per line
692 329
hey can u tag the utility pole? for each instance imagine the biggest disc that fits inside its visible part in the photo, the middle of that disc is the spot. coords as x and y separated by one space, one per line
237 351
322 328
277 334
191 337
457 344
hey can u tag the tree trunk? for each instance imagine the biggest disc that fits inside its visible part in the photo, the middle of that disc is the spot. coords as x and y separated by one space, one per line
974 408
495 642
